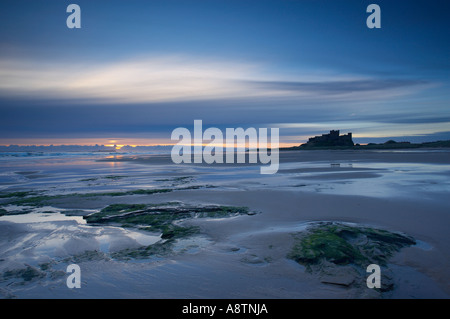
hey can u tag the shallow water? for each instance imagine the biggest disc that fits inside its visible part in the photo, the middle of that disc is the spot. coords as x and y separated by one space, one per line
41 217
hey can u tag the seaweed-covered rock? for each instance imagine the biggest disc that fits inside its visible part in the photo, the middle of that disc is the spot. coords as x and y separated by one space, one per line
339 253
344 244
161 217
28 273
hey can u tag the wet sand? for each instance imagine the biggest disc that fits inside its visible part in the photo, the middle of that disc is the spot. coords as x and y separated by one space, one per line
242 256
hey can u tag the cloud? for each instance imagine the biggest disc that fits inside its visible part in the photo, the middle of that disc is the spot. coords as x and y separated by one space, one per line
156 79
181 78
152 95
366 129
334 88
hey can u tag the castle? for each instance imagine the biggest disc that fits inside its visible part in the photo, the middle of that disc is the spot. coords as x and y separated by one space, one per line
331 139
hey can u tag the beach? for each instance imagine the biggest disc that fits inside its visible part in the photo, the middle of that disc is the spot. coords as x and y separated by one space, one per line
237 231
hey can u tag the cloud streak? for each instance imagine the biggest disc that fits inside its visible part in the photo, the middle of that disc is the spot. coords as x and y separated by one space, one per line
175 78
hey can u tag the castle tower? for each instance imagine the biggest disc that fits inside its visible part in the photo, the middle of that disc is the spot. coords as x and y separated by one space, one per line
334 133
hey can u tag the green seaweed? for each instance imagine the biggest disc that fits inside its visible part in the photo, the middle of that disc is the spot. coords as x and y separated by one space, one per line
221 211
41 200
28 198
177 181
160 217
173 231
27 274
339 253
16 194
45 266
196 187
113 210
158 249
149 191
342 244
323 244
88 255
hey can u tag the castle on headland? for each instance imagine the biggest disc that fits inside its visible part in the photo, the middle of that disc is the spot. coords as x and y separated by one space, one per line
331 139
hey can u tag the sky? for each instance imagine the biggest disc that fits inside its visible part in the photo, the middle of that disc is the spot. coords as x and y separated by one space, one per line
136 70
